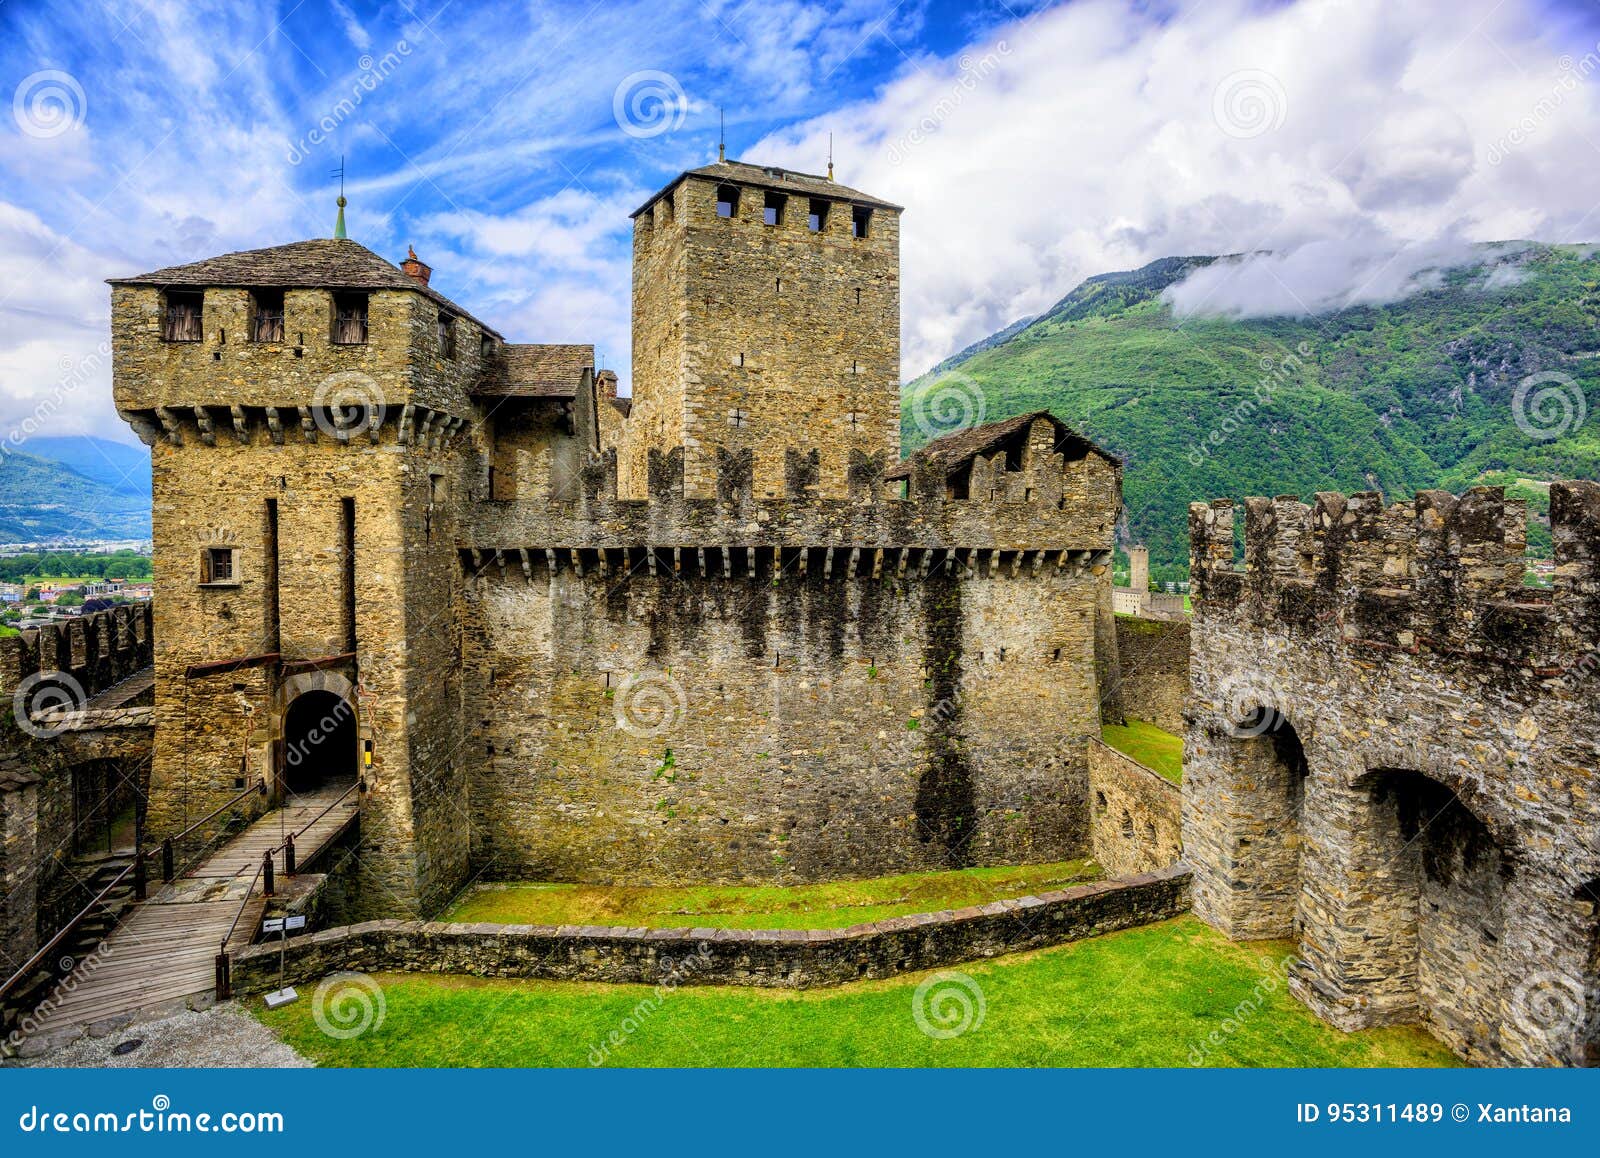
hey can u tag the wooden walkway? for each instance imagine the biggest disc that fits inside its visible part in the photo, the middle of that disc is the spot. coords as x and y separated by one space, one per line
164 951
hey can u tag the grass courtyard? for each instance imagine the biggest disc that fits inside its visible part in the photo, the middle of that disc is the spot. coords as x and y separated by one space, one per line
833 905
1149 745
1169 994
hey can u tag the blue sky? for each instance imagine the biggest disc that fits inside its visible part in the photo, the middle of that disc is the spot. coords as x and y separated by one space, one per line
1033 145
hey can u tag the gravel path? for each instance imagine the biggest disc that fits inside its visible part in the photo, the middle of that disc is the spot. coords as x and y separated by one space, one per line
224 1036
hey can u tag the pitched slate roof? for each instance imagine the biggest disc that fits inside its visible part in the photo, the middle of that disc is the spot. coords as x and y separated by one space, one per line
777 179
954 450
537 371
320 263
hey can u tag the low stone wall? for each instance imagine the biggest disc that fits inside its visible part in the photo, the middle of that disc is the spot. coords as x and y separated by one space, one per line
1135 814
1154 658
769 958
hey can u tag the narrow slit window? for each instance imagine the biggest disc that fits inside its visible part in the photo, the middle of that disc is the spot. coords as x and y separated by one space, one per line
860 221
447 336
727 201
349 319
182 320
772 210
266 322
817 219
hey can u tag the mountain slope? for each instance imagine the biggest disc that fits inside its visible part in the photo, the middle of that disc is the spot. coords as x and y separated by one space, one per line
117 465
1418 393
43 500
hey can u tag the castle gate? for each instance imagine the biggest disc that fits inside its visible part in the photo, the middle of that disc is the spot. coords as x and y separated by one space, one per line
319 742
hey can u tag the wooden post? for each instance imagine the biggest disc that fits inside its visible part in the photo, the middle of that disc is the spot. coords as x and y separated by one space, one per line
266 873
224 978
166 860
288 856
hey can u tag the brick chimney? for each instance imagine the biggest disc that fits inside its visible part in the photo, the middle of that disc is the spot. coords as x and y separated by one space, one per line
411 267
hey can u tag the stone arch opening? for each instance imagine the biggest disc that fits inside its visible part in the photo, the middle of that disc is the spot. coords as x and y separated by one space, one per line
1254 893
320 745
106 796
1448 875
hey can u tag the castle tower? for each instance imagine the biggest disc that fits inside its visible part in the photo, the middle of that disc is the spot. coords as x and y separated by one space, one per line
303 404
766 318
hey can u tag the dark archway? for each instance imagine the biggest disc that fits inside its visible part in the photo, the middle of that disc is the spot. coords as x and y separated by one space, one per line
1448 874
319 742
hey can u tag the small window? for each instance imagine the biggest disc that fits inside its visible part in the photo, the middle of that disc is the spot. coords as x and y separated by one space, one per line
860 221
772 209
1100 803
447 336
486 347
668 210
266 318
817 219
349 319
182 323
216 565
727 201
1127 826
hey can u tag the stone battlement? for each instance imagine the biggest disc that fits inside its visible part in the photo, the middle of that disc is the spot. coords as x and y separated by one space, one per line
97 650
1442 573
1067 506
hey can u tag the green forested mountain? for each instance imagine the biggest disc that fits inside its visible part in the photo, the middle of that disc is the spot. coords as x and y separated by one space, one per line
1418 393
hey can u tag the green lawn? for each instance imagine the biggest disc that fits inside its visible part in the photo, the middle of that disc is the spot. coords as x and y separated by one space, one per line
1172 994
1149 745
823 906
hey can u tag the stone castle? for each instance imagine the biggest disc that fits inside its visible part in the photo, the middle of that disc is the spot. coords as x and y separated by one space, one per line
714 632
1393 757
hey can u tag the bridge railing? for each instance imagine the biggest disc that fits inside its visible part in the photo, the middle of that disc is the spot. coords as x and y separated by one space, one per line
265 877
138 871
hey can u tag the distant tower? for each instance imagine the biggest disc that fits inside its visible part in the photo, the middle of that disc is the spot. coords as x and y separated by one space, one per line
766 317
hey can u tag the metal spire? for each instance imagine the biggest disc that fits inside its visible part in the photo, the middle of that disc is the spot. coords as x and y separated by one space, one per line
338 226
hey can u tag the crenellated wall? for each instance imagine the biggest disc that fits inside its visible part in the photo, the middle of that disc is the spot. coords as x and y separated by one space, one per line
1393 755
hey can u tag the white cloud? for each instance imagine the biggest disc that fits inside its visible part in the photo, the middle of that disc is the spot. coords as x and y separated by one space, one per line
1091 142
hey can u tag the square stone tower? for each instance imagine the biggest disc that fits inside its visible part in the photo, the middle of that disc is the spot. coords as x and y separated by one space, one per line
304 407
766 318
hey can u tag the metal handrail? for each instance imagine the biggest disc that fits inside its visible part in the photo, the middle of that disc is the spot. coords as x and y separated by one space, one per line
359 786
243 905
135 867
33 962
259 786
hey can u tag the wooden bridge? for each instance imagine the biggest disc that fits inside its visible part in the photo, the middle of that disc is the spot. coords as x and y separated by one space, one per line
172 947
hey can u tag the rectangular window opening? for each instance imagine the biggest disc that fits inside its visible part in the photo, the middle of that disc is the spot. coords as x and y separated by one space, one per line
772 209
817 219
860 221
266 316
349 319
216 565
447 336
181 319
727 201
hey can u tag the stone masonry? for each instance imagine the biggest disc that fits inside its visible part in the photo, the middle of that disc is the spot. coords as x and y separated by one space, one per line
1394 757
696 635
